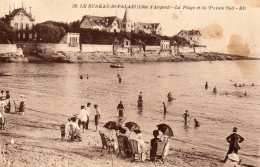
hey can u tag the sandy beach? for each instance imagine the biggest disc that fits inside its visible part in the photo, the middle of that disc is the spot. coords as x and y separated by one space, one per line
38 143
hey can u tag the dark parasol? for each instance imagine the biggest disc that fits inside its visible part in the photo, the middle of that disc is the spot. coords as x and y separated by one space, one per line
112 125
165 129
132 126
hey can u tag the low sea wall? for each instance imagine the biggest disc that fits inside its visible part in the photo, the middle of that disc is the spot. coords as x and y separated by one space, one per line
152 47
58 47
9 53
8 48
191 49
96 48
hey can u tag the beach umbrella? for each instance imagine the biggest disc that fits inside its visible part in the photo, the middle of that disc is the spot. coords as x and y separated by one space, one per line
137 131
122 130
165 129
132 126
112 125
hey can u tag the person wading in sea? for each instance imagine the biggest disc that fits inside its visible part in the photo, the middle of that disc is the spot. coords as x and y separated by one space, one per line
164 108
140 100
215 90
196 123
170 98
233 141
185 116
206 85
120 109
119 78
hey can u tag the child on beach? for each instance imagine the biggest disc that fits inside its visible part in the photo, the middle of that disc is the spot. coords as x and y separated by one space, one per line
97 115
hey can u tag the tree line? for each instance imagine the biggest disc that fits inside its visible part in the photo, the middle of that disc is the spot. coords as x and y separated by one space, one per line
52 32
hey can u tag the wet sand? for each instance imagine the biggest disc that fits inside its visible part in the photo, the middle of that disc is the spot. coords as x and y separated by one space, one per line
37 143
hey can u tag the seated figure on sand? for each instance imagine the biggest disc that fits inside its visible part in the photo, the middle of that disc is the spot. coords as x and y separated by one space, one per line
153 144
112 135
2 113
164 138
74 129
141 144
232 161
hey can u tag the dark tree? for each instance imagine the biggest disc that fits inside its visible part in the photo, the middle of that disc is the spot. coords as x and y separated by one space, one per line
7 34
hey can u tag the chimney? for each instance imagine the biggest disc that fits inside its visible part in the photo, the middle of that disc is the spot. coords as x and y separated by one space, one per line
9 9
14 6
30 11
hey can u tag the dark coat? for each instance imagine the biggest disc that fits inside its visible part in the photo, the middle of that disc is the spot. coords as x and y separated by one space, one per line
234 139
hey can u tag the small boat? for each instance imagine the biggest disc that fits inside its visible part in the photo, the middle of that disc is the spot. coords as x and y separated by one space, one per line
117 65
5 74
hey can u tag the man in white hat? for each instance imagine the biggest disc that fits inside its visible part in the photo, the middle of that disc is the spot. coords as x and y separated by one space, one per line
233 161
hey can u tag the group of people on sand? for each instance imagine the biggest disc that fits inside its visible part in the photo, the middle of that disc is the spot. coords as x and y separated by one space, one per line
71 130
138 136
5 107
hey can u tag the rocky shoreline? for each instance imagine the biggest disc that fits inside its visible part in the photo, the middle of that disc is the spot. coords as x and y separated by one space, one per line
137 57
109 57
13 58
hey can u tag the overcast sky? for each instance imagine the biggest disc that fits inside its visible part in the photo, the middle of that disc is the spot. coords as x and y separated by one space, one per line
243 23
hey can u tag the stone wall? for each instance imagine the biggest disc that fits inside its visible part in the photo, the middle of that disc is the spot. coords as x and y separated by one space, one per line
152 47
8 48
96 48
58 47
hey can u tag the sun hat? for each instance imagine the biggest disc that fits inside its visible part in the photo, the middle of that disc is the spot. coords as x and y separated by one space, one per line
235 129
233 157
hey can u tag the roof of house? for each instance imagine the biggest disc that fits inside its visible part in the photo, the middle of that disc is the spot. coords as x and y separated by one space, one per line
190 32
16 11
98 21
126 16
153 25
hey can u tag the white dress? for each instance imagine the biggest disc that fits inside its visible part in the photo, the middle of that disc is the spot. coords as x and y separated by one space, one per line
230 163
164 138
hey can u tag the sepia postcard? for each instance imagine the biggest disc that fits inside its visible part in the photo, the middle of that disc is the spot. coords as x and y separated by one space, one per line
129 83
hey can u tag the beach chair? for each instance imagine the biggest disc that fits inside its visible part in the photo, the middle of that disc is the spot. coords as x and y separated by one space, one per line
160 150
2 124
124 148
136 154
106 142
62 129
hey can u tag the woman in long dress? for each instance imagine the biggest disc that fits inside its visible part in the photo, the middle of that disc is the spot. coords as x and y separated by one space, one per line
111 134
141 145
164 138
22 105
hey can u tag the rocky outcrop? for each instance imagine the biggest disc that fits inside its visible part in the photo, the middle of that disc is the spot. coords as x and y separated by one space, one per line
136 57
13 58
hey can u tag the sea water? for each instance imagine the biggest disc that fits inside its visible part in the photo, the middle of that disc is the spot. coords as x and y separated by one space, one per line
57 88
